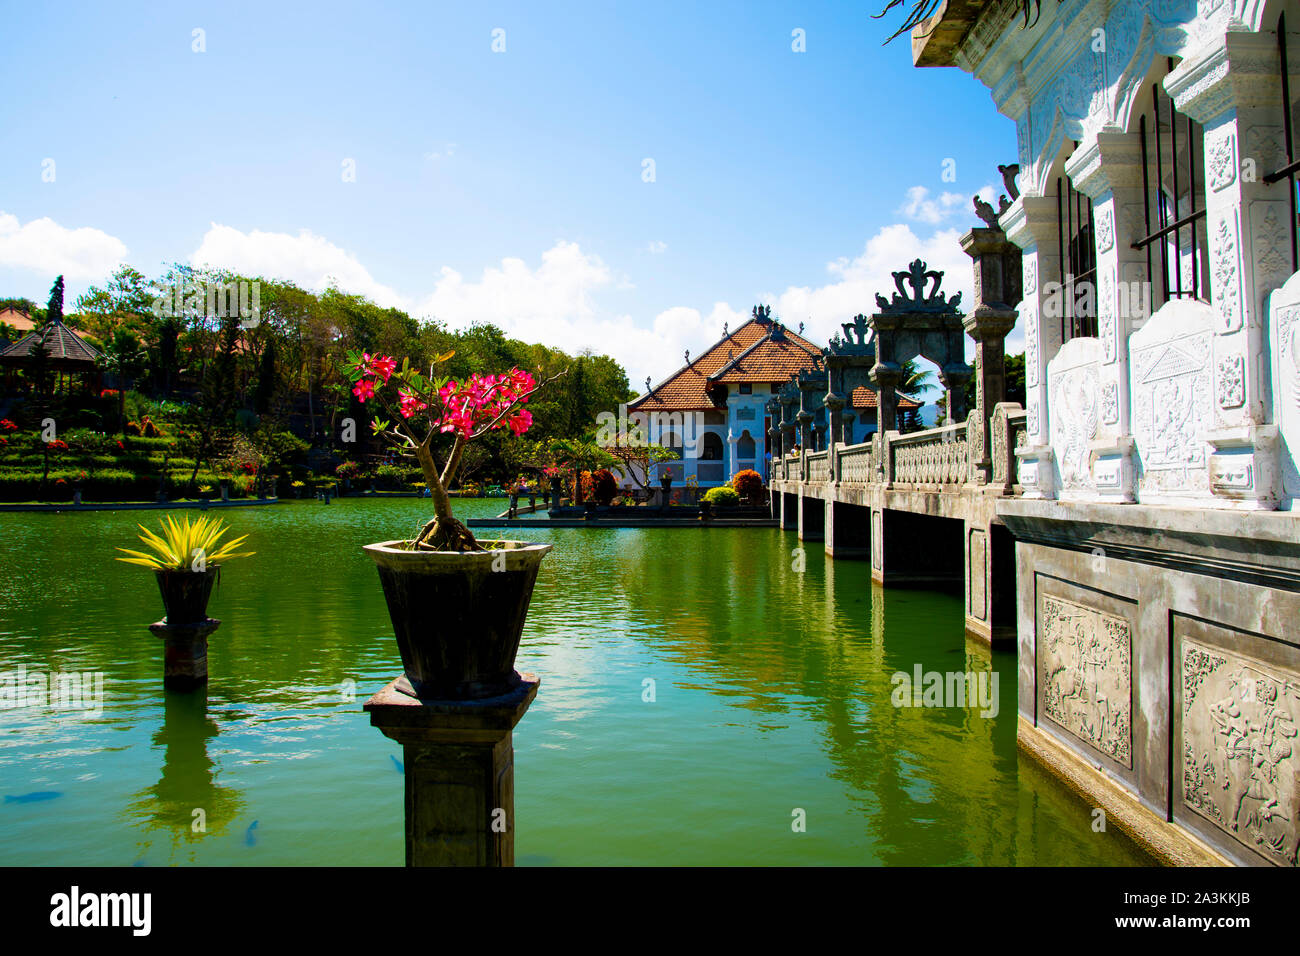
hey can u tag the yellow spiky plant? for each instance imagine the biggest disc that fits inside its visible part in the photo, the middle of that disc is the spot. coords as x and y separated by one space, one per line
175 548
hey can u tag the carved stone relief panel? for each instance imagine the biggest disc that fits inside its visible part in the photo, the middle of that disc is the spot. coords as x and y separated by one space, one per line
1029 309
1221 161
1105 231
1172 399
1270 244
1106 328
1232 381
1226 257
1284 341
1085 675
1073 401
1110 403
1237 739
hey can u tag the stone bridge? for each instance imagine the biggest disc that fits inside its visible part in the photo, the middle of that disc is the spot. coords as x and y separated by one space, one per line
919 508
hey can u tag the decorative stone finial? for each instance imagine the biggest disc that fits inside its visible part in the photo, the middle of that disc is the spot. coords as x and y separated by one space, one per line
985 212
919 300
1009 174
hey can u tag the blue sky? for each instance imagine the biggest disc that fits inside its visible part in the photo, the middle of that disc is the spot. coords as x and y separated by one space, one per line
495 186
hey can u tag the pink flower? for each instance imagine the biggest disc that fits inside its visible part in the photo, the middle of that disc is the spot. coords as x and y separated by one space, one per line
521 422
364 389
410 404
383 367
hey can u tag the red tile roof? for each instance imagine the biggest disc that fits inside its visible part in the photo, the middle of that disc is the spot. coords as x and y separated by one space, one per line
865 397
773 361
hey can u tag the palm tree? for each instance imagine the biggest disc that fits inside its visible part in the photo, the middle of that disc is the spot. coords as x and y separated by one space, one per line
916 382
124 358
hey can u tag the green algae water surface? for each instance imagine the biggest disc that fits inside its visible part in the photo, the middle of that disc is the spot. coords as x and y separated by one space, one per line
703 701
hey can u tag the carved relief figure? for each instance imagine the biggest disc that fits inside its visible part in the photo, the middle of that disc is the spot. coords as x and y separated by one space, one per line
1240 761
1172 406
1086 677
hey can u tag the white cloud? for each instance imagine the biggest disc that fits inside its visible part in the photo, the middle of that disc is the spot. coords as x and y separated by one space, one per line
556 300
655 247
446 152
42 245
919 207
311 261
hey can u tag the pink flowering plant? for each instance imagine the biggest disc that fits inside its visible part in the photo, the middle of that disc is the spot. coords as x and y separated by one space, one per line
423 408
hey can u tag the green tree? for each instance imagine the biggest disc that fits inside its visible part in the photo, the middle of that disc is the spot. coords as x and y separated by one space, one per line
124 359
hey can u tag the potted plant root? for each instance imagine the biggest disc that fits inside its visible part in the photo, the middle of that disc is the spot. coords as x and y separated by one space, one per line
457 605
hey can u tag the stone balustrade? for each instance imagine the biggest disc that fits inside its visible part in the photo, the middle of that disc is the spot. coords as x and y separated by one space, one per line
936 456
819 466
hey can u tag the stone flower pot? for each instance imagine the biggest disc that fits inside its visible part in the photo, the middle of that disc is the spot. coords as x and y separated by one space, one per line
185 594
458 621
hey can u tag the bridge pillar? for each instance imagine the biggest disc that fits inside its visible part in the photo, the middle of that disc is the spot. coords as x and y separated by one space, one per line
990 561
812 518
848 530
789 511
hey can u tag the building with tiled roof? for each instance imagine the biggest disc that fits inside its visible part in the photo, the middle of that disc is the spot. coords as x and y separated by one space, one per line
66 354
712 410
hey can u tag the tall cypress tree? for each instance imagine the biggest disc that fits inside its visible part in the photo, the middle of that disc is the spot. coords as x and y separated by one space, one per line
54 310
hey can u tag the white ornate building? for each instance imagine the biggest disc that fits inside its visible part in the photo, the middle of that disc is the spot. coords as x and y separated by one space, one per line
1158 571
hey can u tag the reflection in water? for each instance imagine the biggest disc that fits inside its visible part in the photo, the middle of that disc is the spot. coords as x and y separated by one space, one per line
186 803
772 676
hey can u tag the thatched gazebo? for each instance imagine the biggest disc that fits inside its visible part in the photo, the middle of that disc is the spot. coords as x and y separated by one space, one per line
67 356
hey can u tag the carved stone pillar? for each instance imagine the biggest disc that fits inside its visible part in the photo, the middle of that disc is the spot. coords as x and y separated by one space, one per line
1232 88
1031 223
997 291
1109 171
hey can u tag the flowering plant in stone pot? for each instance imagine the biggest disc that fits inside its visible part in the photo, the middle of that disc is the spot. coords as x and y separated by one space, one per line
457 605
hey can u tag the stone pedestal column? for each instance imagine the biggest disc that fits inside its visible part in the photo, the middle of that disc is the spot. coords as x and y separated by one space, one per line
1109 171
458 758
1031 224
1232 87
997 291
805 431
185 652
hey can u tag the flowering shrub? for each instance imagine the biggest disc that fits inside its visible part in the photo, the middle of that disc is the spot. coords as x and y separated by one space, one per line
424 408
349 470
7 425
749 486
604 486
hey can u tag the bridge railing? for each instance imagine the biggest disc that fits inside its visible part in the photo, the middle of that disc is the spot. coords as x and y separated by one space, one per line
819 466
857 463
936 456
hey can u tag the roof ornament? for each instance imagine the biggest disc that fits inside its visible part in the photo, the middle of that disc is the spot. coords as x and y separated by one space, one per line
1009 174
919 300
725 331
985 211
762 314
688 356
648 389
801 328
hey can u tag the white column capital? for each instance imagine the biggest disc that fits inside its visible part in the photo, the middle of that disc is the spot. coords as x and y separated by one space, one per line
1110 160
1031 221
1235 71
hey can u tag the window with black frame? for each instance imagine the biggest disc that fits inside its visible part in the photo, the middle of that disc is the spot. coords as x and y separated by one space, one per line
1290 165
1078 258
1174 210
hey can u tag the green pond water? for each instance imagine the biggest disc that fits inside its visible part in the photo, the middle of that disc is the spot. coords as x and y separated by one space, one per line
771 692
